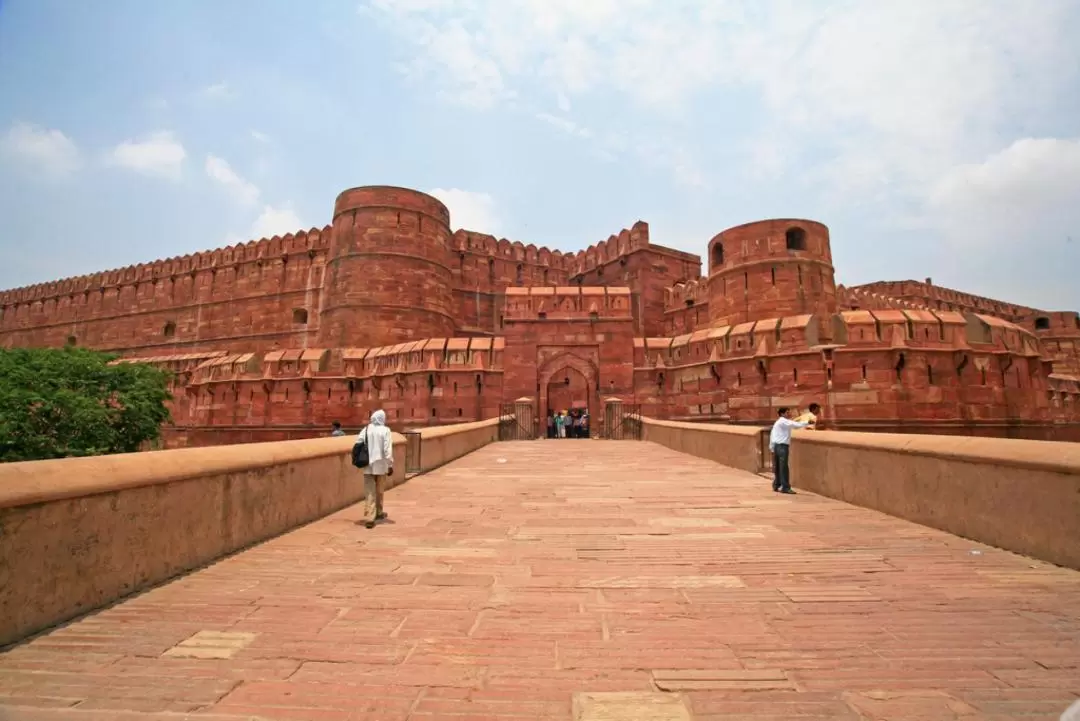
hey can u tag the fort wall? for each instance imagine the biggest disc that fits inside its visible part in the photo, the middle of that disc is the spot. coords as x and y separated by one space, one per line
275 339
629 259
257 295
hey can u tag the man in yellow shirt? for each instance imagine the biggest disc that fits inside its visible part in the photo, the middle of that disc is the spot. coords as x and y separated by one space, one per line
810 416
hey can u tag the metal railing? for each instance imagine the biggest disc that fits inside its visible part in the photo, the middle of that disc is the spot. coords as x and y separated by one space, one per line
624 426
414 443
764 454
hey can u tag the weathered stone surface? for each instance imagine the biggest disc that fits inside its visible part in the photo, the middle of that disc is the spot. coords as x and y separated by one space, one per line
826 611
387 308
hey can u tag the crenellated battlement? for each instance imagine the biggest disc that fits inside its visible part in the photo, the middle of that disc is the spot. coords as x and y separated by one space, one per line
615 247
388 308
688 294
278 247
937 297
470 241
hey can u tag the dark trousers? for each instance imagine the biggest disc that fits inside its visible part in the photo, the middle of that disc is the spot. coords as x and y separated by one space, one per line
781 474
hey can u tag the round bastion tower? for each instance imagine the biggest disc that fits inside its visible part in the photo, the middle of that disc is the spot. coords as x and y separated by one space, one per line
388 276
770 269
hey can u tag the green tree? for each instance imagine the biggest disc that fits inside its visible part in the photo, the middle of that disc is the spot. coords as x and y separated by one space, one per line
56 403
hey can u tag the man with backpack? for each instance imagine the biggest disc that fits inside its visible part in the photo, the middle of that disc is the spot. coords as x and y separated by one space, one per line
374 453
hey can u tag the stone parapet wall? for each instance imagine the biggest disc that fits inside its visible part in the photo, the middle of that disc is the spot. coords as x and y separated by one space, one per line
735 446
80 533
1020 495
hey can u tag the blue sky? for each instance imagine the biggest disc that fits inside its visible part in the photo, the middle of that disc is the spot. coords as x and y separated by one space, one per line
935 137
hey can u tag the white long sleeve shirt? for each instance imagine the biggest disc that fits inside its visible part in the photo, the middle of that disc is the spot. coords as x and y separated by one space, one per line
781 432
380 445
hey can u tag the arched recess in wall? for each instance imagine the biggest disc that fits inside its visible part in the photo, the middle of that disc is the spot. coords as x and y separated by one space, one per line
717 255
299 316
795 238
169 330
1042 323
561 364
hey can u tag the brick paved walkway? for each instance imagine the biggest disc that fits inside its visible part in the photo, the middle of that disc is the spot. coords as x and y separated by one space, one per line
536 587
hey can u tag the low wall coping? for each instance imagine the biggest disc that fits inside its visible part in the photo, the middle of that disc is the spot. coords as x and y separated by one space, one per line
452 430
711 427
29 482
1056 457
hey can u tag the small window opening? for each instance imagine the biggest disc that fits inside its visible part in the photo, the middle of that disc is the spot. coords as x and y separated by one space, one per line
170 329
72 340
800 276
491 269
774 275
930 374
746 281
299 316
520 274
432 412
900 367
431 382
795 375
717 255
689 302
795 239
864 371
1042 324
459 412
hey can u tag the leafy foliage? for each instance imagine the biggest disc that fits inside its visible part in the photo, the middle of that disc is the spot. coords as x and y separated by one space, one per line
56 403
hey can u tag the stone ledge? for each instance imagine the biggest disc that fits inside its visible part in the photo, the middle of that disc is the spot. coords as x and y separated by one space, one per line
33 482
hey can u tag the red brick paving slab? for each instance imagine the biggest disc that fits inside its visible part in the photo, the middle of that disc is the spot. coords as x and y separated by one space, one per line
502 590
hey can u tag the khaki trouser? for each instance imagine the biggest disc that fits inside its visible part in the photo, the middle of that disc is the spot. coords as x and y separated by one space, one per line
373 496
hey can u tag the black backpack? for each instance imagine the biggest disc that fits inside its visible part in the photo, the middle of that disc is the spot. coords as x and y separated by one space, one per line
360 457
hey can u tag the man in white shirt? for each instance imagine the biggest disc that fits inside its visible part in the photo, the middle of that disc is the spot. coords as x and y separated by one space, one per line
780 445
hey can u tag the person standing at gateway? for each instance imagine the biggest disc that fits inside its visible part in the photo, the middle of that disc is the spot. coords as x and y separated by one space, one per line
780 445
380 447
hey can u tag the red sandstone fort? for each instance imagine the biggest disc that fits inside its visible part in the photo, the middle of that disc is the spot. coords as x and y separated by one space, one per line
387 307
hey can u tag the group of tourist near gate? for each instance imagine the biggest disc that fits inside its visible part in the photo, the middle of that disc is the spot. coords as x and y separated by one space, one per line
549 579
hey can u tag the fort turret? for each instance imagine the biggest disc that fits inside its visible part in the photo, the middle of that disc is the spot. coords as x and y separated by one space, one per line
388 274
770 269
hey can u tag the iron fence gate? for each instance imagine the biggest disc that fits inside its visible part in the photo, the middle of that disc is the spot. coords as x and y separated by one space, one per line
623 423
413 447
516 422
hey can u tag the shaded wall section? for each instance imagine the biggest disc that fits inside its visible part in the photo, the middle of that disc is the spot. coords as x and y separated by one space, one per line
80 533
1020 495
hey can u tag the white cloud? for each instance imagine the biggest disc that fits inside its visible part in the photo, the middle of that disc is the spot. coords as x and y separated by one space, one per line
159 154
1012 216
217 90
276 221
260 137
238 188
49 152
893 91
564 124
1023 196
470 210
